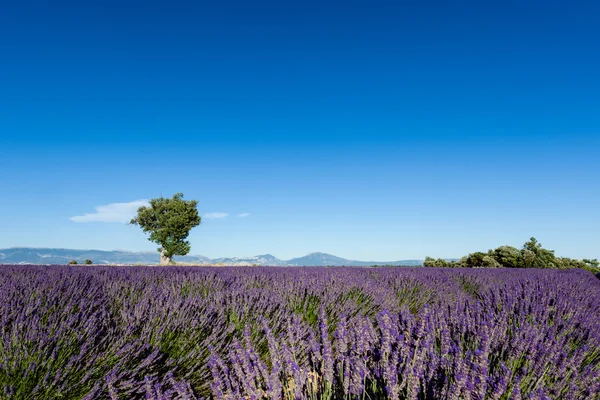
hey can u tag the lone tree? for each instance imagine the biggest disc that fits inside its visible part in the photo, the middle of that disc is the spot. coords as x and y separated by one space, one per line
169 222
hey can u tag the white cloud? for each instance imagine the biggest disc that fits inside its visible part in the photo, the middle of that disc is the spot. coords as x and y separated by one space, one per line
215 215
115 212
243 215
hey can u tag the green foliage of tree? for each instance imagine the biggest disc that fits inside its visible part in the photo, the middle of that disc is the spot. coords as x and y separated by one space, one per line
509 257
490 262
475 260
441 263
88 262
169 221
73 262
543 258
429 262
528 258
437 262
532 255
568 263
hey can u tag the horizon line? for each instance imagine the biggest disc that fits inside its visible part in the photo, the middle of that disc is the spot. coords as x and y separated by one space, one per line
211 258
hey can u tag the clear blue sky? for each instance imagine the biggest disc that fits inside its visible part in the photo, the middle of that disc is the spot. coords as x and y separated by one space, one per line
370 130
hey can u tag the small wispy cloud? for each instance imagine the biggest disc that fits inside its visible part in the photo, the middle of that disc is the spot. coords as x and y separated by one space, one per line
215 215
243 215
114 212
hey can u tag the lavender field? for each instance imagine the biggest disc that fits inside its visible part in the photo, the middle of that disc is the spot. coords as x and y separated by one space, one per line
298 333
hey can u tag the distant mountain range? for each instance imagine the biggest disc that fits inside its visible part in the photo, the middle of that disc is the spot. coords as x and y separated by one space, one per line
30 255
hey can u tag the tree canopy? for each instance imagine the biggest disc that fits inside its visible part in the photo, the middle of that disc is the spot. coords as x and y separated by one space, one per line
169 221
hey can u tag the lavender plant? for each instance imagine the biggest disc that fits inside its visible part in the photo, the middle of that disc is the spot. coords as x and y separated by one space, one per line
298 333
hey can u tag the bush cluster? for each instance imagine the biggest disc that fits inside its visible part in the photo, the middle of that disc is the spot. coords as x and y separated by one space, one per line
531 255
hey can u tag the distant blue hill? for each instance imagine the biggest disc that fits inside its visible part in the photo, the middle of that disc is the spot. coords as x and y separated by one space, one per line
324 259
30 255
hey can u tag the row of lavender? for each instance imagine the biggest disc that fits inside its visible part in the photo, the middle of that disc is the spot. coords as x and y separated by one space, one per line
312 333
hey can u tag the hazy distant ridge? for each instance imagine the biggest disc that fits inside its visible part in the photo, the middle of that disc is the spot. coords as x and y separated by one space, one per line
30 255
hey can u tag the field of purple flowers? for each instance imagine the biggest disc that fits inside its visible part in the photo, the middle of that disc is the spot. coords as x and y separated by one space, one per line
298 333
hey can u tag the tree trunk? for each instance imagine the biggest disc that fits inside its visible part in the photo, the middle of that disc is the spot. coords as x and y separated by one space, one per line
164 260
